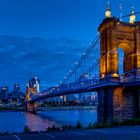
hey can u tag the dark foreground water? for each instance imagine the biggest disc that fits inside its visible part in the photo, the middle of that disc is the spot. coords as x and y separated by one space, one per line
15 121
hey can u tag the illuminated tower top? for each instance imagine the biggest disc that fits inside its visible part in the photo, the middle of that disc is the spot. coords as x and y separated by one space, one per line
108 10
132 16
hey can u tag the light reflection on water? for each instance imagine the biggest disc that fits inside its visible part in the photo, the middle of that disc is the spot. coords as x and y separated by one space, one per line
15 121
36 122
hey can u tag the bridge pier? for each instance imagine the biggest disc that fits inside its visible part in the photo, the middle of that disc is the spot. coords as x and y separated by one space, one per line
31 107
118 104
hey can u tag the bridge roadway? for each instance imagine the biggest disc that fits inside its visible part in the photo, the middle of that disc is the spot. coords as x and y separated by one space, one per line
128 79
86 86
76 87
120 133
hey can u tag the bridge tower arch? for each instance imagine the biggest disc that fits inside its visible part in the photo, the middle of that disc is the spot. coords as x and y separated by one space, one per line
118 102
120 61
116 34
32 89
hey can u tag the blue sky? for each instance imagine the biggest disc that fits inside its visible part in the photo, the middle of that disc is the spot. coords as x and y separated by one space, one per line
24 54
77 19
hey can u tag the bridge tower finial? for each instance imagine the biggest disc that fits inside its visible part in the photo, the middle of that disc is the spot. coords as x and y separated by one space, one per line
132 16
108 10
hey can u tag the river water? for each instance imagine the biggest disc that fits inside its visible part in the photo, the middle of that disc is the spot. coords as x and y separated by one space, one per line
15 121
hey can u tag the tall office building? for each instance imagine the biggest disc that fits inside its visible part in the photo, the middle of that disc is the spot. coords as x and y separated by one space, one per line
4 92
16 87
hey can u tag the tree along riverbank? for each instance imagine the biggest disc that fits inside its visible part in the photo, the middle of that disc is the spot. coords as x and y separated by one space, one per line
92 126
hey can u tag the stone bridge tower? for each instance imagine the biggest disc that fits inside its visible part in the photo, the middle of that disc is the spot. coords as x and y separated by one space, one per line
32 90
115 34
118 102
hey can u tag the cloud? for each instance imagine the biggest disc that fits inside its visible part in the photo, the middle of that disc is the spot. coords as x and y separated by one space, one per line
50 59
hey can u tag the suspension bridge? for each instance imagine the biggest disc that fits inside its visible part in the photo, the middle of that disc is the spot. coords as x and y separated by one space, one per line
98 70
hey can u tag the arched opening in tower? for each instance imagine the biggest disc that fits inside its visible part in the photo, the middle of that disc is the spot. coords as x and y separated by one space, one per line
120 61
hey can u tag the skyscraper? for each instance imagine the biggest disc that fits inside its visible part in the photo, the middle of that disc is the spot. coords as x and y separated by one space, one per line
4 92
16 87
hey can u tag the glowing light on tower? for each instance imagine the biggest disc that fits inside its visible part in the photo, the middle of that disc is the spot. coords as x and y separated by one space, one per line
132 16
108 10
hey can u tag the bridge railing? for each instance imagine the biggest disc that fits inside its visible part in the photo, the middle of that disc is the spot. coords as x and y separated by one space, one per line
79 85
83 85
131 76
126 79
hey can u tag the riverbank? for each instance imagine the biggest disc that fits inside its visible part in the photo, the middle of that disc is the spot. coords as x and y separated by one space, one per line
15 109
48 108
14 121
78 126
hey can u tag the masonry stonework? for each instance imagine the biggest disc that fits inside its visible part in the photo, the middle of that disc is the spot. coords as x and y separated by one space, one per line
118 103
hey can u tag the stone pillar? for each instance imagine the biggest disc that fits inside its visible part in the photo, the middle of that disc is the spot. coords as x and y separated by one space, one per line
138 102
138 48
105 105
129 110
118 104
101 106
109 106
31 107
112 62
